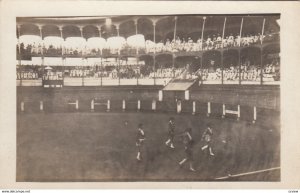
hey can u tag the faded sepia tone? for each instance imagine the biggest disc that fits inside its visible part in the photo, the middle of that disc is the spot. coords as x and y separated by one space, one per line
198 72
216 76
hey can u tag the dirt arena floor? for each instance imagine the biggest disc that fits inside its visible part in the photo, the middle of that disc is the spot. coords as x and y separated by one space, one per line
101 147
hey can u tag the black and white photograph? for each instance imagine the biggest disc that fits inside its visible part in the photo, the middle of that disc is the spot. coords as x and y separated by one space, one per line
149 94
148 98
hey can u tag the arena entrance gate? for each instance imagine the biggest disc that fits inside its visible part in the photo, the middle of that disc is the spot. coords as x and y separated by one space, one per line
176 91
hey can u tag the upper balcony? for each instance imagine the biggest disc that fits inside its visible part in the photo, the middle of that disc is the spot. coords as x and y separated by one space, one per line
174 48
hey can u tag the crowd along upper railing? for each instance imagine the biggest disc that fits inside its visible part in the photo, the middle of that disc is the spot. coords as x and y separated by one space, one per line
176 49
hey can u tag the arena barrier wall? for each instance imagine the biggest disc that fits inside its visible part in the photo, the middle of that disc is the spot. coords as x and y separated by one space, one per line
248 104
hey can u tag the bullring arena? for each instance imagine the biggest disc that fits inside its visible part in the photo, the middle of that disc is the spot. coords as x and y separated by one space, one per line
84 84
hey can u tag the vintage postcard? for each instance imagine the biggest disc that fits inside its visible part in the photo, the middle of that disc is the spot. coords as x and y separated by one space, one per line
181 93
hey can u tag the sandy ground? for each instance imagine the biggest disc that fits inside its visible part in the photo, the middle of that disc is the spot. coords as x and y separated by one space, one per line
101 147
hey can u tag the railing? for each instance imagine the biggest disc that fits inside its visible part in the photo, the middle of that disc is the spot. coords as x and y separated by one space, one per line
269 75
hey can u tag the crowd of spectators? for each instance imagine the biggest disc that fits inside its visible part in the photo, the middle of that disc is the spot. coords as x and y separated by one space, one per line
210 43
52 75
163 73
251 73
247 72
27 75
176 45
35 49
128 72
112 72
78 73
28 72
51 50
177 73
209 75
271 70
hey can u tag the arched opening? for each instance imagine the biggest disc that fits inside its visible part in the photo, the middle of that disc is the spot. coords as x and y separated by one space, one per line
187 67
211 68
75 46
165 25
148 68
29 29
108 31
90 31
164 61
114 44
53 46
29 45
251 65
127 29
95 45
146 73
144 26
231 67
50 30
195 35
271 64
71 31
135 44
130 70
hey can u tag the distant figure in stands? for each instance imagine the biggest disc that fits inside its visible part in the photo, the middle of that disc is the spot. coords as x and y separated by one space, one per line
140 138
207 136
188 148
212 68
171 131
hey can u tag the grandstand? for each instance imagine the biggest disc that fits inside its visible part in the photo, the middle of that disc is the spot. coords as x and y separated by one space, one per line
82 80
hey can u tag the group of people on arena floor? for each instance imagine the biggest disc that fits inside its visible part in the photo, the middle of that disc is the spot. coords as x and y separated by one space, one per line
187 140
